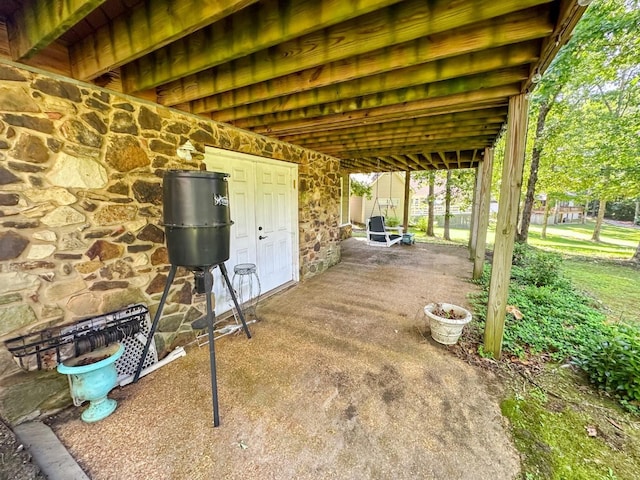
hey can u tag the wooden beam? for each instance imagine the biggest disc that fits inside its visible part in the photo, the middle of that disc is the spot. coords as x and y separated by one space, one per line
143 29
568 16
424 162
449 146
404 135
424 124
38 23
395 102
344 198
406 139
483 213
54 58
404 22
506 224
259 28
403 79
514 28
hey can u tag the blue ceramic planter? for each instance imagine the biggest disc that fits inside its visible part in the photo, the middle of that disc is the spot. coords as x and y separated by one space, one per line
91 377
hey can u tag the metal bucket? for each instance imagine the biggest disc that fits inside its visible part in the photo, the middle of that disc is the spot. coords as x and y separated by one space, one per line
196 217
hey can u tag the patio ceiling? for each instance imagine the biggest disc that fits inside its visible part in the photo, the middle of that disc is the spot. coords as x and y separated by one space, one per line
383 85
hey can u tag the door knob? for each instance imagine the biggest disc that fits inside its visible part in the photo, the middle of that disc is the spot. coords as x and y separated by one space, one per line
261 237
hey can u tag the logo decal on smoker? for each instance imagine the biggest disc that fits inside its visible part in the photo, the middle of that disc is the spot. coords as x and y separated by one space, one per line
220 200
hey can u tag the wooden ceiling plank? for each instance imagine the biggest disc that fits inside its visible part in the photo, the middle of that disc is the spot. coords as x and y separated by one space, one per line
38 23
420 109
404 137
514 28
54 58
468 143
418 113
461 119
435 163
399 142
261 27
391 103
433 72
408 21
149 26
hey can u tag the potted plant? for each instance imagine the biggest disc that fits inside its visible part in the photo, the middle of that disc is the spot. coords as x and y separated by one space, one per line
91 377
446 321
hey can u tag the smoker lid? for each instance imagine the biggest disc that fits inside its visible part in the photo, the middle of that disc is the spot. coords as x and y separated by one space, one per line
195 174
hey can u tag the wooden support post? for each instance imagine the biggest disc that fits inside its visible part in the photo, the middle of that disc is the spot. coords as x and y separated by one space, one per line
344 200
407 194
506 224
484 198
475 209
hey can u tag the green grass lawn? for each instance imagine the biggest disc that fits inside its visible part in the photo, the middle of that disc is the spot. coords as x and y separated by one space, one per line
594 267
616 286
568 239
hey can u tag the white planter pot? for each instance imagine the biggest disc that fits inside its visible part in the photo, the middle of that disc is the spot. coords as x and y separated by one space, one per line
446 330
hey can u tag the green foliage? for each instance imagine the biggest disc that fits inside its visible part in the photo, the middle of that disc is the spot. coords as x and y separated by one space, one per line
360 189
614 364
535 267
559 323
392 222
421 224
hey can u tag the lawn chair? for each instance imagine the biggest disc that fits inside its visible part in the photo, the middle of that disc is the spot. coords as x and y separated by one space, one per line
378 235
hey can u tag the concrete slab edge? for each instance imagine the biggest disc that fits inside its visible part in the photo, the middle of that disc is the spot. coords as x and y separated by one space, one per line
48 452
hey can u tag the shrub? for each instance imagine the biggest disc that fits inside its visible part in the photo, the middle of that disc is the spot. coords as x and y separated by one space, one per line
392 222
421 224
614 364
559 323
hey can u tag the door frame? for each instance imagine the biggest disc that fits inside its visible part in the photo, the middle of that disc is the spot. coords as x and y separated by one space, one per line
230 156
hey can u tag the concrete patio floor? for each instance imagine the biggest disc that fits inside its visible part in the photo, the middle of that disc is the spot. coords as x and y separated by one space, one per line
340 380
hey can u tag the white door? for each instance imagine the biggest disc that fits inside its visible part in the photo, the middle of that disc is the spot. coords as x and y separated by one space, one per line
273 221
263 207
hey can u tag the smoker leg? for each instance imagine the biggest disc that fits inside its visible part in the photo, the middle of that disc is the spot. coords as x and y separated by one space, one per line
208 282
156 318
223 270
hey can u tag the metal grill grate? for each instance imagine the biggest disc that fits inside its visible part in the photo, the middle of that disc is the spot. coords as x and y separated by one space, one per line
127 364
45 349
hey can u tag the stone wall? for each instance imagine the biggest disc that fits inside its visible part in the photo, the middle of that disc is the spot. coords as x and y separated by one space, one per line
80 210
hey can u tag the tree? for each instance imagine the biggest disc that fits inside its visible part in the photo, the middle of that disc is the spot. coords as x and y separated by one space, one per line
596 150
359 188
543 110
545 97
447 207
432 204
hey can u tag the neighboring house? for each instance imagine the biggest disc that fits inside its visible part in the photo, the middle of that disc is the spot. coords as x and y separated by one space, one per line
566 211
387 198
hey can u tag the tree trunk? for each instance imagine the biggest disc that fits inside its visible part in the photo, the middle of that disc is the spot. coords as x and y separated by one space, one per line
523 234
585 212
636 218
636 256
596 230
447 207
432 203
545 222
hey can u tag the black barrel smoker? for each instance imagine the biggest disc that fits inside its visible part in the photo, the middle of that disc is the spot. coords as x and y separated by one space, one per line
198 231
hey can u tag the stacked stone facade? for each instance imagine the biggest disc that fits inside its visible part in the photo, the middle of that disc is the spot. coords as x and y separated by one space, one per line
81 207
